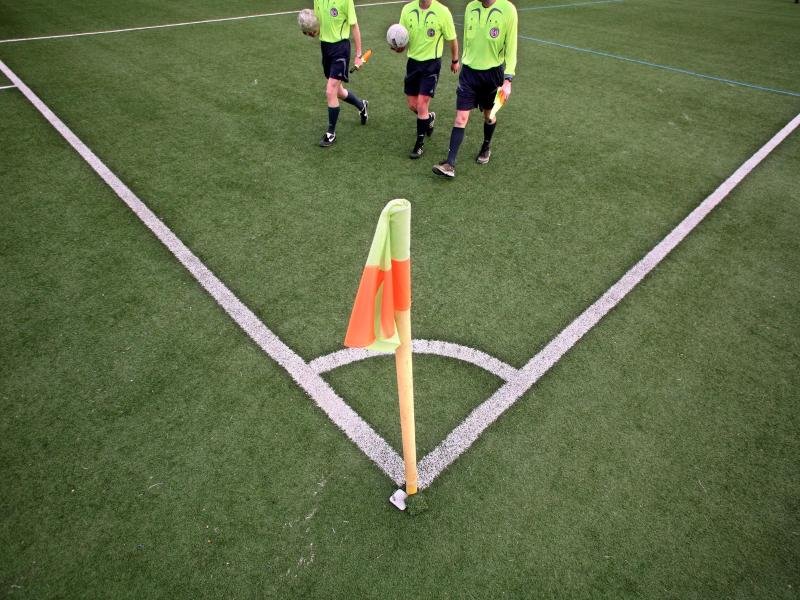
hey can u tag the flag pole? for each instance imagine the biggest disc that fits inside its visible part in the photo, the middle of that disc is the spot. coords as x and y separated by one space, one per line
381 320
405 392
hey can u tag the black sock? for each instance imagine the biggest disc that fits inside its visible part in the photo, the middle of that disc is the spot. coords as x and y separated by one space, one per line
488 132
422 127
354 100
456 137
333 116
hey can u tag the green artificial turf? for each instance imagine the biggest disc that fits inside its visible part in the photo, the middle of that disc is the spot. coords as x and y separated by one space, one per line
150 449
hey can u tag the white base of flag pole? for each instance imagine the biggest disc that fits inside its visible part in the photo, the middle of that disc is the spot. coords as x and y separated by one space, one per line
399 499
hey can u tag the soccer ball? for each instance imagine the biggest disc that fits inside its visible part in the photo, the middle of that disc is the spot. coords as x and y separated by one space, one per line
309 24
397 37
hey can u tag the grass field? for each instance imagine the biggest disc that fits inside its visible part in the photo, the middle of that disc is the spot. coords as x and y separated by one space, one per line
151 449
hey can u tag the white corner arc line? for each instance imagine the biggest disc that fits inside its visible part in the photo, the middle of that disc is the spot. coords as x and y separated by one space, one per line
169 25
334 360
465 434
358 430
464 353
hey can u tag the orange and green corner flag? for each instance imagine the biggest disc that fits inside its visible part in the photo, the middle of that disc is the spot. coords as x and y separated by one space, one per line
385 286
381 317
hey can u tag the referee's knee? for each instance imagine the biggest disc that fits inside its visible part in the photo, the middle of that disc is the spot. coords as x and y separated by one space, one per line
462 116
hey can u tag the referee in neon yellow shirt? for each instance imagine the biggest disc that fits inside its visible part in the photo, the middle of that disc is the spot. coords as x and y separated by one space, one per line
430 25
489 62
336 18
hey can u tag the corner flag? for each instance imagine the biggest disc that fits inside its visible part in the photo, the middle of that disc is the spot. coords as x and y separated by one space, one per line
381 316
385 286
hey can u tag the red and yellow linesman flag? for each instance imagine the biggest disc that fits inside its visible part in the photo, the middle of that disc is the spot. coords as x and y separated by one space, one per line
381 317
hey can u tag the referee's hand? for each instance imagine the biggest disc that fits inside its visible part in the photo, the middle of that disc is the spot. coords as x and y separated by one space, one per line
506 89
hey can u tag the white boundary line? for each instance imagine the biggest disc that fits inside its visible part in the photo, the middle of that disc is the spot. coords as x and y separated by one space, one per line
243 17
463 436
7 87
168 25
372 444
570 5
307 375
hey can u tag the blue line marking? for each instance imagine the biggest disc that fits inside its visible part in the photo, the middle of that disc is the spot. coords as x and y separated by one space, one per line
663 67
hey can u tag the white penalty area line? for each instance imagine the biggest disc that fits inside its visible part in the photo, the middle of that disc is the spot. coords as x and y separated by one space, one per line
358 430
465 434
169 25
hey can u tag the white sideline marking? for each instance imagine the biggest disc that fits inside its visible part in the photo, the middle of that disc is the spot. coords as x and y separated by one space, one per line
465 434
7 87
337 359
571 5
372 444
167 25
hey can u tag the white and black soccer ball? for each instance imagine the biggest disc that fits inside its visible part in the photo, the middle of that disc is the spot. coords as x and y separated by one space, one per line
308 21
397 37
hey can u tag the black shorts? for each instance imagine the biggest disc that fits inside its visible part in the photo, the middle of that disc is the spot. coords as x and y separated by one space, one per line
422 76
336 59
477 89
